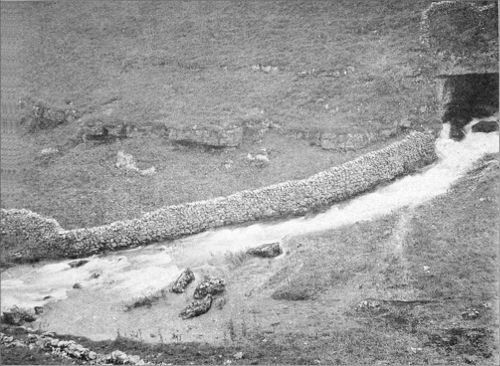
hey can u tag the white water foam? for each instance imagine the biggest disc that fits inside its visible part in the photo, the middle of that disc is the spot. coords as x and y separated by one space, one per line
140 271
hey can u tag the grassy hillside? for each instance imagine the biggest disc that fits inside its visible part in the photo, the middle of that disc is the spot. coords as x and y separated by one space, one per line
342 66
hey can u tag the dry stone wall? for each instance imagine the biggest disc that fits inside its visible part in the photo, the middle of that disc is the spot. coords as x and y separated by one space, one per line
283 199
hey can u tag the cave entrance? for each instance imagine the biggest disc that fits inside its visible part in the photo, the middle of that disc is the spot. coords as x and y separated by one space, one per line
466 96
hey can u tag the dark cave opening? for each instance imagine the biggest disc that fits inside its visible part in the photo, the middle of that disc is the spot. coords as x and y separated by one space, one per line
467 96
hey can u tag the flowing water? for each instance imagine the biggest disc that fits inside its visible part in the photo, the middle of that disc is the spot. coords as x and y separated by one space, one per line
117 278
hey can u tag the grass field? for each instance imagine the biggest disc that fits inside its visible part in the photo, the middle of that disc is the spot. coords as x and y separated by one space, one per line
342 67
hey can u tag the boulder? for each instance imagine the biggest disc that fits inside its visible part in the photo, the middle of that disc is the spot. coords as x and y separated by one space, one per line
214 136
270 250
209 286
197 307
485 126
184 279
78 263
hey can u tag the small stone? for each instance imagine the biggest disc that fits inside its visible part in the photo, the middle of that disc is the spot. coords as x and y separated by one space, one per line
238 355
38 310
92 355
77 286
266 250
78 263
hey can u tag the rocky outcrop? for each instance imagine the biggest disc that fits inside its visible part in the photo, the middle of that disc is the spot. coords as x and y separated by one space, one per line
270 250
284 199
102 127
18 316
214 136
39 115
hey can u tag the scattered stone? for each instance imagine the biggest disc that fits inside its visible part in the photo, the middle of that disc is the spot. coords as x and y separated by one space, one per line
148 172
209 286
197 308
49 151
127 162
94 276
370 305
270 250
260 159
78 263
238 355
470 314
184 279
264 68
215 136
485 126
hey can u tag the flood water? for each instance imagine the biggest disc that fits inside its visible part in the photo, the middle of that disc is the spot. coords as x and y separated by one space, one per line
119 277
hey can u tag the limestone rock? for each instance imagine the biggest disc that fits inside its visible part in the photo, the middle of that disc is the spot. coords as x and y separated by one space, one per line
18 316
346 141
39 115
209 286
266 250
259 159
216 136
184 279
197 307
485 126
101 127
127 162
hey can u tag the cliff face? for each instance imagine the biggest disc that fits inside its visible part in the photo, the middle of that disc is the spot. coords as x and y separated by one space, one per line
462 36
283 199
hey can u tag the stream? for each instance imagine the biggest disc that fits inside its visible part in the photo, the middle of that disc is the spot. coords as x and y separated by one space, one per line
116 278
